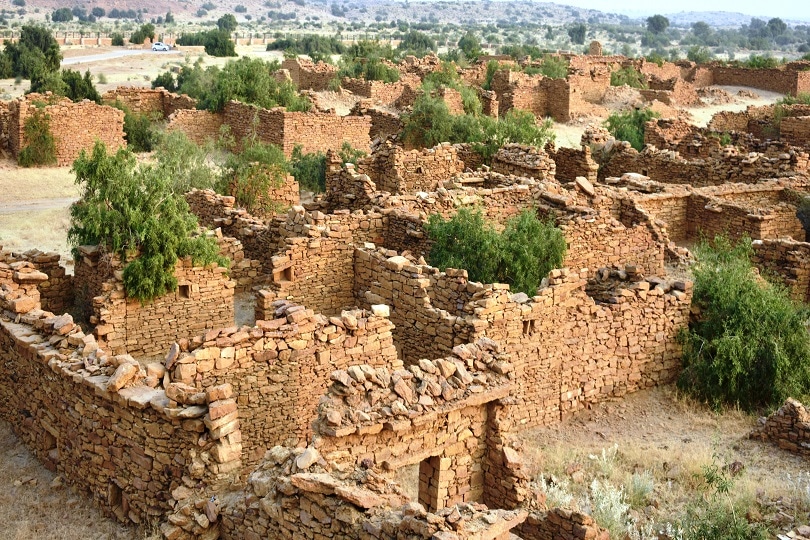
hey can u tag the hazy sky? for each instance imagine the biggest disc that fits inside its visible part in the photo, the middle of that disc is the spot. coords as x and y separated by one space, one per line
786 9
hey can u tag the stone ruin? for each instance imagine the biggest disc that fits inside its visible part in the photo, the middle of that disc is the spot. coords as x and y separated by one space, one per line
364 361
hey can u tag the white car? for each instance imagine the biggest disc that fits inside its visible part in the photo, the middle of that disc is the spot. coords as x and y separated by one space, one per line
160 46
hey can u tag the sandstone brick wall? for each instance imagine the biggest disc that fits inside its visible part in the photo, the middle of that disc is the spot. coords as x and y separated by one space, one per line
669 167
401 93
74 126
571 163
130 446
781 80
613 351
53 284
199 126
560 523
789 261
203 299
158 101
795 130
291 496
522 160
383 123
280 368
398 171
314 131
788 428
307 75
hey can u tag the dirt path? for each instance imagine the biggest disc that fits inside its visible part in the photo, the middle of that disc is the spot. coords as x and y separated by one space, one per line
35 205
116 55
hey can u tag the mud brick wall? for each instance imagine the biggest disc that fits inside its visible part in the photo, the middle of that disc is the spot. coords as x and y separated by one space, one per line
567 348
571 163
399 171
74 126
789 261
795 130
203 299
289 496
308 75
129 447
788 428
522 160
148 101
280 369
199 126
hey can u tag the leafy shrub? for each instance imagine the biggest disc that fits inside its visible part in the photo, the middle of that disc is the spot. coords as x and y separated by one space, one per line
554 67
629 126
698 54
132 211
628 76
165 80
185 163
370 69
80 87
802 98
251 173
349 154
117 39
609 507
416 43
219 43
62 15
761 62
139 129
41 146
522 255
431 123
309 169
309 45
640 487
558 494
146 31
750 346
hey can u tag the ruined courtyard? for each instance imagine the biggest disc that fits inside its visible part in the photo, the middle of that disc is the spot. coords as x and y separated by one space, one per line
361 363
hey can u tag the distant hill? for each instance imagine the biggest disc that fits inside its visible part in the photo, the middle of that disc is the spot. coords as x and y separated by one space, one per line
718 19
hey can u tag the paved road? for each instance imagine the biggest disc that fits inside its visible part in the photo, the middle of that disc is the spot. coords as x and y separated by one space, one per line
39 204
113 55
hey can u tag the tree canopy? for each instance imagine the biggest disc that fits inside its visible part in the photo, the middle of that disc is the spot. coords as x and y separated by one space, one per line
657 24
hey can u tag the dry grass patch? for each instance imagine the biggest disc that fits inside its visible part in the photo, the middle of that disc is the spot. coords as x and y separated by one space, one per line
658 445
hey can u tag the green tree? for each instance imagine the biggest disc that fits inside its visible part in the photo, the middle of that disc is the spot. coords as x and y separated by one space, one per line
522 255
219 43
701 30
62 15
698 54
629 126
98 12
40 147
417 43
750 346
657 24
577 33
227 23
470 45
132 211
776 27
169 18
146 31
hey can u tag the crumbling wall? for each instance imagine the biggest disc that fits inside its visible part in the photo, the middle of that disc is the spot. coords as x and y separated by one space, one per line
781 80
203 299
74 126
53 284
90 417
280 369
400 93
795 130
307 75
158 101
313 131
789 261
383 123
523 160
622 342
398 171
199 126
571 163
788 428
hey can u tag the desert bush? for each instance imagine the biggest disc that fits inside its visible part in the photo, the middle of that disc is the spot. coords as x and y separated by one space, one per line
146 31
40 148
628 76
802 98
309 169
140 131
370 69
522 255
558 493
185 162
608 506
639 489
761 62
629 126
248 175
750 345
554 67
117 39
132 210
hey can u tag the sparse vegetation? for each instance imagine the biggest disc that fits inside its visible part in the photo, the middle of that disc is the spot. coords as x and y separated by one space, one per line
248 175
628 76
132 211
750 345
40 148
522 255
629 126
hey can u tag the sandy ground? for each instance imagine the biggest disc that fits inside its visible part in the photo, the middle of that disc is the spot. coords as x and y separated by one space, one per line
570 134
